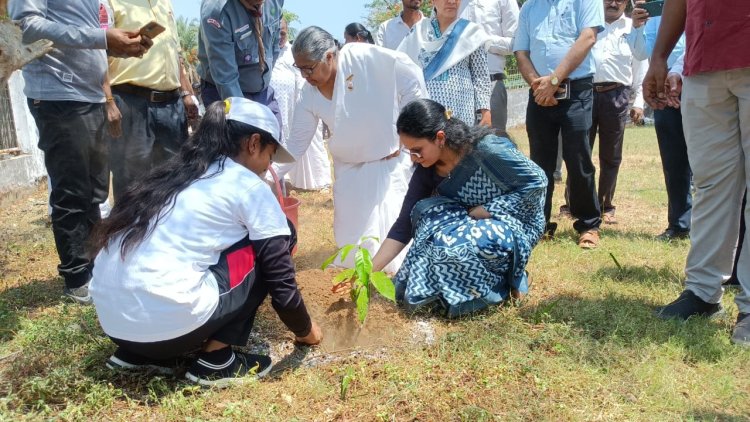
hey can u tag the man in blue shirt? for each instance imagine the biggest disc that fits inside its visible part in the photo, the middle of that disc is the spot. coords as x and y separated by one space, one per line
237 46
670 136
66 97
552 45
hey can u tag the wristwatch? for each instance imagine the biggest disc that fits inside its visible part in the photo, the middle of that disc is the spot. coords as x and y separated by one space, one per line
185 93
553 79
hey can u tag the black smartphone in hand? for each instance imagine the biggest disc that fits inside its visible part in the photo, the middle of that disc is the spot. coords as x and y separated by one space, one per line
654 7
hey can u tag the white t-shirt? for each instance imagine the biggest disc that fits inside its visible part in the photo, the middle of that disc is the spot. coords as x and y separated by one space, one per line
158 291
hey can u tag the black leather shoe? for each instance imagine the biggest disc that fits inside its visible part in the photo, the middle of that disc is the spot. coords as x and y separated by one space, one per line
672 234
688 305
549 231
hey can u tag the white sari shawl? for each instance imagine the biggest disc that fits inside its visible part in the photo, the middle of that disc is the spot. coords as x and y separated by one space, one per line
367 102
422 38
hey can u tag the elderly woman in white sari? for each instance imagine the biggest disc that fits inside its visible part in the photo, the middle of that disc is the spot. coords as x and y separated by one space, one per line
358 92
312 171
453 56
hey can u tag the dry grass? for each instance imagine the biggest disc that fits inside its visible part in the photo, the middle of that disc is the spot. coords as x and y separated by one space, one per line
583 347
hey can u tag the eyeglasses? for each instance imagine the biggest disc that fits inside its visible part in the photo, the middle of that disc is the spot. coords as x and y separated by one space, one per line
306 70
413 154
614 1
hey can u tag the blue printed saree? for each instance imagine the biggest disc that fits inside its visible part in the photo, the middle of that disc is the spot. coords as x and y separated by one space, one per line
461 264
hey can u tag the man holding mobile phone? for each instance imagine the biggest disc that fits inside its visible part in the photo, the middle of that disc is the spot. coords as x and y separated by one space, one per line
618 74
152 94
66 98
553 44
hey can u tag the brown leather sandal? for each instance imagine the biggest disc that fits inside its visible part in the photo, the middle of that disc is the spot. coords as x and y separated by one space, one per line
589 239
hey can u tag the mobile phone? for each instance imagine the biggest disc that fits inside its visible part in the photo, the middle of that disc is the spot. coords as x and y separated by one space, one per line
653 7
152 29
563 90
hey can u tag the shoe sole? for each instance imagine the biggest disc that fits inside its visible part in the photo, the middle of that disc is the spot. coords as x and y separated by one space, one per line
226 382
120 365
77 299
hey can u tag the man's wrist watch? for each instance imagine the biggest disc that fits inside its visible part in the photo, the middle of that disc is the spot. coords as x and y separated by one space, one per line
184 94
553 79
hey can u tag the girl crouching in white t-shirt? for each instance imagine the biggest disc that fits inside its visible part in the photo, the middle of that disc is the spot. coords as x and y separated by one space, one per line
192 249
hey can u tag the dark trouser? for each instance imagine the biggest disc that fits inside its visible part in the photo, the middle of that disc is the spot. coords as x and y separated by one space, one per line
740 240
610 113
232 321
151 134
75 154
499 106
674 161
572 119
210 95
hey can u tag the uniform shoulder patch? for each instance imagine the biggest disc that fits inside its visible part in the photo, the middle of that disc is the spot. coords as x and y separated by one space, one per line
214 22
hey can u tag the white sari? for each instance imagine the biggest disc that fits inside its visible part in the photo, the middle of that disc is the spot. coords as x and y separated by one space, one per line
312 171
372 84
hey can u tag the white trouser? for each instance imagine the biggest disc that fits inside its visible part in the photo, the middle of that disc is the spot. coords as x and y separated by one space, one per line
716 119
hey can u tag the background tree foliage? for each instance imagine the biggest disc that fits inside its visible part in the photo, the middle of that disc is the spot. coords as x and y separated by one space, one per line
380 11
290 18
187 32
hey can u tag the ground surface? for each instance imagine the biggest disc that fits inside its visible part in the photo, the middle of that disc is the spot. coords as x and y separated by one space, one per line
584 346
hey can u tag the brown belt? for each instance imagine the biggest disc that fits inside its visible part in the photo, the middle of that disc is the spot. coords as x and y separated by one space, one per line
607 86
151 95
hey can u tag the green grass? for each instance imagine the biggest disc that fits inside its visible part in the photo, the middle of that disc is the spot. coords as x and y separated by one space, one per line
584 346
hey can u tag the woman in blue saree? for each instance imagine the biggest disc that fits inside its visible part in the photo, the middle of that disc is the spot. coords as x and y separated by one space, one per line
474 211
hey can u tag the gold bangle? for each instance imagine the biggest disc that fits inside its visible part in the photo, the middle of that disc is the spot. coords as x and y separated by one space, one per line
110 99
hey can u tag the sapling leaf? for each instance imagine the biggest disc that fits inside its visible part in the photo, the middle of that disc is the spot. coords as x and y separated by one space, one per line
330 259
345 381
363 266
384 285
345 251
343 276
363 300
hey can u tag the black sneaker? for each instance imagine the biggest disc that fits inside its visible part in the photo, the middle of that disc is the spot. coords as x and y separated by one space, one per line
671 234
688 305
78 294
741 333
231 372
125 360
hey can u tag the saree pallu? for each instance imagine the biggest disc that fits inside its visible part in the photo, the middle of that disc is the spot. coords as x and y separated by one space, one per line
461 264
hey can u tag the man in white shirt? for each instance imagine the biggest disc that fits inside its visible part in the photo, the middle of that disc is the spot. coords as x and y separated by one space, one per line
391 32
616 72
499 19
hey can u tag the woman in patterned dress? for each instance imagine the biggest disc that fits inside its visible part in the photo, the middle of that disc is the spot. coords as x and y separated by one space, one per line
452 53
474 210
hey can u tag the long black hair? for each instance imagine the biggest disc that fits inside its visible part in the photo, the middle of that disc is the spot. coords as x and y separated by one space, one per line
357 30
424 118
215 139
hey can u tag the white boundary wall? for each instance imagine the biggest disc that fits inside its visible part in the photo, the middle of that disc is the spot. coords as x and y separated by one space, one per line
27 168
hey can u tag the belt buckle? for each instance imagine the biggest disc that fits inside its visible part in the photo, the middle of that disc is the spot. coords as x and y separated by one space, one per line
152 96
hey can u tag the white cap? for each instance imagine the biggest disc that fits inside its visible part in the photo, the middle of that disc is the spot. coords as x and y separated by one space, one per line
258 115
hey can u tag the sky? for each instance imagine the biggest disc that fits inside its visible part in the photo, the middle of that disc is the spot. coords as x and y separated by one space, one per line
331 15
